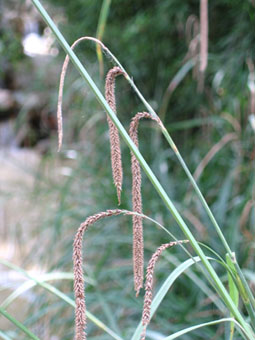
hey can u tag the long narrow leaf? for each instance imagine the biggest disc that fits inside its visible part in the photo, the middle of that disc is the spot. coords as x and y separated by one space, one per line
153 179
63 297
211 323
173 85
4 336
164 289
100 31
220 287
31 283
18 325
233 291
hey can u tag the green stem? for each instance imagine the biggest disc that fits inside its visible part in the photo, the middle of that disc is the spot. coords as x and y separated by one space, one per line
175 149
196 188
100 31
187 171
223 292
244 283
64 297
250 312
18 324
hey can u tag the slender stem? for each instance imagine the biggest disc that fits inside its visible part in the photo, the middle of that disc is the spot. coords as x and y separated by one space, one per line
243 281
220 287
201 198
100 31
18 324
251 313
173 147
187 171
61 295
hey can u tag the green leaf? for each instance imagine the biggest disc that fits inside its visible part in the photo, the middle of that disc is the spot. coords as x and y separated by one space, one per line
31 283
63 297
222 202
211 323
234 293
19 325
100 31
164 289
166 199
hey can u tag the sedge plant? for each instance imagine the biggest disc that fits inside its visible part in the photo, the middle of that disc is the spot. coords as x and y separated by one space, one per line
226 298
245 328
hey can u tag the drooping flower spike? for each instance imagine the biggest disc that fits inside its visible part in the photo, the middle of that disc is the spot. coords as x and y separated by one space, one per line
117 171
79 289
62 81
138 251
149 283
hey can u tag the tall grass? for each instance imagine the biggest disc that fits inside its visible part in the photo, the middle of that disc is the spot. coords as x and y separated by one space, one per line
236 278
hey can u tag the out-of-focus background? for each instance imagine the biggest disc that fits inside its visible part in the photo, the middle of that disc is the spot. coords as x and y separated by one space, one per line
45 195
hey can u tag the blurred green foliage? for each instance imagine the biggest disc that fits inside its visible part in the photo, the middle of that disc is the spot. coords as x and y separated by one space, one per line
149 39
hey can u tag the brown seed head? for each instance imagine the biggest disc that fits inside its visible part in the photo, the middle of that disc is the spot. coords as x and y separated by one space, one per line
149 284
113 131
61 85
138 261
80 309
203 34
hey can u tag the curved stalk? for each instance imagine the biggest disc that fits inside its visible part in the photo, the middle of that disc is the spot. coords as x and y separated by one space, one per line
169 140
220 287
185 168
18 325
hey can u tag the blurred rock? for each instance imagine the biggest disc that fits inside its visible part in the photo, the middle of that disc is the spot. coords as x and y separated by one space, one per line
6 99
7 134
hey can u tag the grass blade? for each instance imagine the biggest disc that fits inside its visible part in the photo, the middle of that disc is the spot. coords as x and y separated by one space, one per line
210 323
63 297
169 204
244 291
4 336
100 32
233 291
163 291
173 85
18 325
31 283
